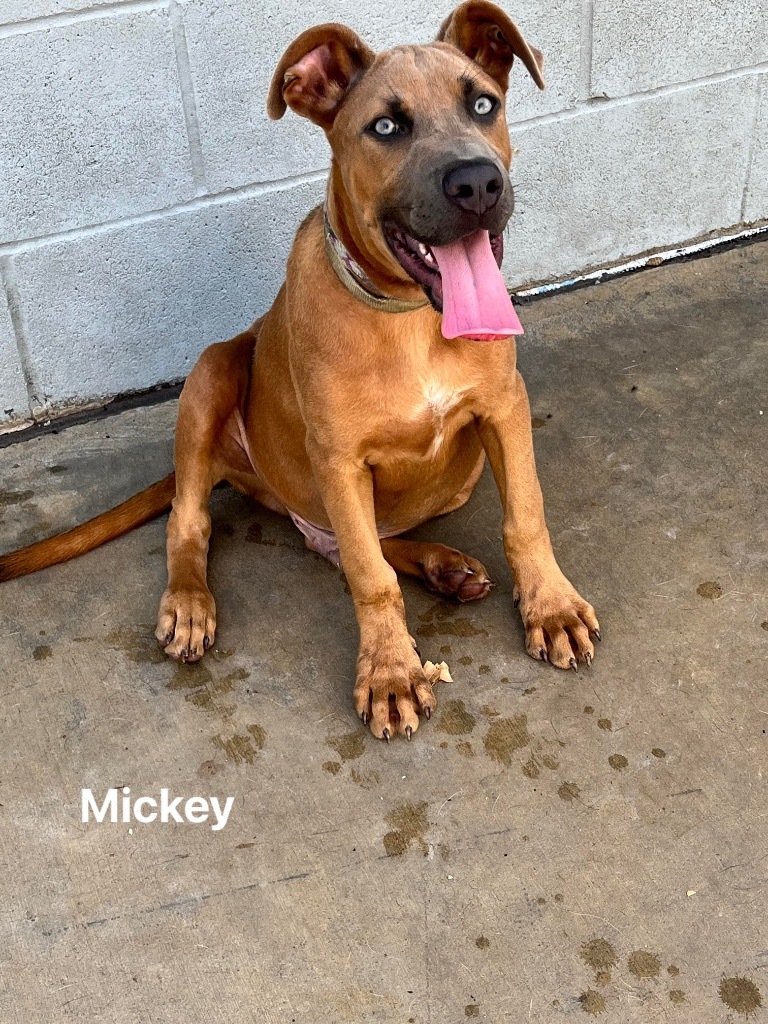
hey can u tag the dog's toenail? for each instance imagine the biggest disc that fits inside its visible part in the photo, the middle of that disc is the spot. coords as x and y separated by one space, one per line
386 735
596 633
588 659
428 713
168 638
573 664
543 654
517 602
184 653
206 643
408 733
364 717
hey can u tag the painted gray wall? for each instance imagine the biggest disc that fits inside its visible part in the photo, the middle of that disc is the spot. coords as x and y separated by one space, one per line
147 203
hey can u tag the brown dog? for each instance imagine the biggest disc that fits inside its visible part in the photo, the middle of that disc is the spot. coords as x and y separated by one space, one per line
353 405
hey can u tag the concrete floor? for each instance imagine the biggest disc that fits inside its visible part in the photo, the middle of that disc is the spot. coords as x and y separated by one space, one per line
550 846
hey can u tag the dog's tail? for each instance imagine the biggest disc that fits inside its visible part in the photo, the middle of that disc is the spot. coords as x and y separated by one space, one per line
136 511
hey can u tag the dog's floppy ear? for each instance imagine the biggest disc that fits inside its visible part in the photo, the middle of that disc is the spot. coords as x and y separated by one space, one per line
316 72
491 39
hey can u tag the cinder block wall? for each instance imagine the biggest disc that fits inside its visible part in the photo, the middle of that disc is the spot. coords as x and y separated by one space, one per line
147 204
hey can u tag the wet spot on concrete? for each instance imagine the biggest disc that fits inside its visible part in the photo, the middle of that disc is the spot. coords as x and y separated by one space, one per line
446 649
559 897
589 710
255 535
332 767
159 549
531 769
541 901
409 823
138 643
244 846
569 792
42 652
481 942
455 719
350 746
220 654
618 762
537 423
603 978
677 996
484 670
658 752
764 625
189 677
465 660
465 749
444 745
457 627
8 498
505 679
242 748
605 724
369 781
505 736
599 954
592 1002
528 691
673 971
57 469
549 761
643 964
740 994
472 1010
490 711
209 768
711 590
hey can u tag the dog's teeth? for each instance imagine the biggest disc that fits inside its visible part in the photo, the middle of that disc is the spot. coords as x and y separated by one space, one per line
429 257
422 249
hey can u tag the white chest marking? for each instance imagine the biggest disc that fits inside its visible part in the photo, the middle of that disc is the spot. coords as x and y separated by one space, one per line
439 400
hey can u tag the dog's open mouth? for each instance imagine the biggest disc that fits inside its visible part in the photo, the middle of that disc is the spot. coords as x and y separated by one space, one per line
462 280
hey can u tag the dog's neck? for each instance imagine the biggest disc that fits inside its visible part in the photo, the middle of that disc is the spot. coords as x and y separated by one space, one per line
355 279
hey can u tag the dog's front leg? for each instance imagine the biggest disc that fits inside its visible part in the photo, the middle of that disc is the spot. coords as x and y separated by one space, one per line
558 621
391 689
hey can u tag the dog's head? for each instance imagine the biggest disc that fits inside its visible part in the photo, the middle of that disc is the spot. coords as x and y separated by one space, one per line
421 150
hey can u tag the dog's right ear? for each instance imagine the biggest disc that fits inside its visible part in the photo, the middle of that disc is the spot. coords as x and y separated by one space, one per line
316 72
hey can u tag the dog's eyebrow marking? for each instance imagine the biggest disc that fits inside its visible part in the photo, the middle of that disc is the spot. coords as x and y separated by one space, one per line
469 84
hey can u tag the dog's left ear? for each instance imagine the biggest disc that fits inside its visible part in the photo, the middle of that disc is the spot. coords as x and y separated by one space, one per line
491 39
316 72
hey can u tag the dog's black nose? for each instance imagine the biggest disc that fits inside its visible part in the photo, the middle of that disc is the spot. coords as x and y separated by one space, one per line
474 187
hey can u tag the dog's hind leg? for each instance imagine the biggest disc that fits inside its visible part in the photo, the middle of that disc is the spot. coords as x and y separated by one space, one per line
186 622
444 570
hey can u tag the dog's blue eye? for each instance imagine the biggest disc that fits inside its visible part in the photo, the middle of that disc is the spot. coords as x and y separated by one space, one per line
385 126
484 105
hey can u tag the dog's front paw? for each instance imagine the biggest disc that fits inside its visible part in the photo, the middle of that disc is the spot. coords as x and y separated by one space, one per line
186 623
558 622
391 689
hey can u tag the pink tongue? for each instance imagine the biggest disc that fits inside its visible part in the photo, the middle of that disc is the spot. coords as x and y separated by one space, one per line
475 300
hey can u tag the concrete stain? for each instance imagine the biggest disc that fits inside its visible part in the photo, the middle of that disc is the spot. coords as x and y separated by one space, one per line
658 752
369 781
242 749
531 769
643 964
741 995
599 954
677 996
465 749
505 736
711 590
527 692
349 746
489 711
408 823
550 761
138 643
605 724
603 978
446 649
14 497
589 710
673 970
481 942
764 625
537 423
569 792
332 767
190 677
472 1010
455 719
484 670
42 652
465 660
592 1002
618 762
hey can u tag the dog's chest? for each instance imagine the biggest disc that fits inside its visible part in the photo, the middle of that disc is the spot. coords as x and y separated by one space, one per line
438 410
